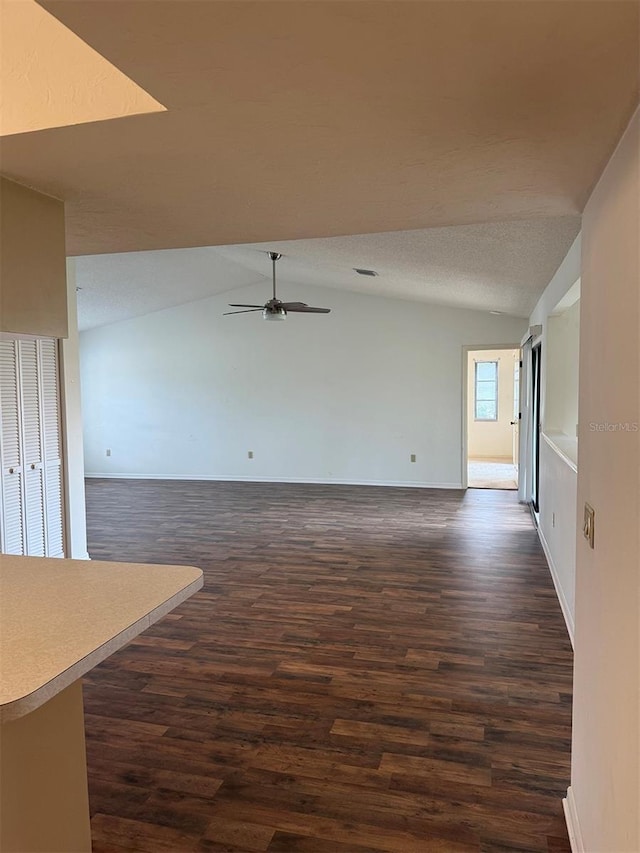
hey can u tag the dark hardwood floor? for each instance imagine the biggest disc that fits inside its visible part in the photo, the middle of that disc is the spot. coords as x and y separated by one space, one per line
366 669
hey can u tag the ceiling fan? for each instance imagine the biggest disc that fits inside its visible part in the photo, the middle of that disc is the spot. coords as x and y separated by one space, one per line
275 309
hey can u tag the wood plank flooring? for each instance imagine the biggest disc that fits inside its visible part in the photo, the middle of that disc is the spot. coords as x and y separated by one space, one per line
366 669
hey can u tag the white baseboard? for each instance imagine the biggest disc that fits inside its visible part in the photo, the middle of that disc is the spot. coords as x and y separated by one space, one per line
573 826
240 479
499 459
564 606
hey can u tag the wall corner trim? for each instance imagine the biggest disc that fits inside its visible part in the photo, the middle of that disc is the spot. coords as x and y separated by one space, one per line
564 606
573 825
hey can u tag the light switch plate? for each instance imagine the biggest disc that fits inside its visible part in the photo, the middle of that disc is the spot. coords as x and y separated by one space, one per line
589 524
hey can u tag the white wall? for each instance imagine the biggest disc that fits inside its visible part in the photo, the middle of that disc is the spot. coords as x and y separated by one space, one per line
492 439
558 475
345 397
563 343
557 526
604 796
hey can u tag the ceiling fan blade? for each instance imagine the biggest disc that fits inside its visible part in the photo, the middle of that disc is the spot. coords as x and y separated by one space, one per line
246 311
307 310
287 305
242 305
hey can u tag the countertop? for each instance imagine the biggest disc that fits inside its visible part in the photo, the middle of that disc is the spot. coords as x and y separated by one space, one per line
59 618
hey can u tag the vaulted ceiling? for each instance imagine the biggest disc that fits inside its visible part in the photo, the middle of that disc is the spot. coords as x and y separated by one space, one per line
288 120
499 266
312 119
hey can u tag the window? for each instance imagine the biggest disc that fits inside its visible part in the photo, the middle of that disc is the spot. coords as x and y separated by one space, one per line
486 391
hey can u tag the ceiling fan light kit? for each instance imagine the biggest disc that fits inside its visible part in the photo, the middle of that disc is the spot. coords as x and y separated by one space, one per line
274 314
275 309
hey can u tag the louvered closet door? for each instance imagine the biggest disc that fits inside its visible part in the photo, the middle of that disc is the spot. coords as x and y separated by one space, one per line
51 446
31 516
12 538
32 439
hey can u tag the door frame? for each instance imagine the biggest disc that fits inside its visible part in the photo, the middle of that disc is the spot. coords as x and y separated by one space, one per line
536 422
466 349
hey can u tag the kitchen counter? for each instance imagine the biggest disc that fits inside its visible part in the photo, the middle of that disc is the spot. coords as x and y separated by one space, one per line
58 619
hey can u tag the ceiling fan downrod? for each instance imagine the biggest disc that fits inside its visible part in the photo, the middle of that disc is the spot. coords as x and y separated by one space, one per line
275 256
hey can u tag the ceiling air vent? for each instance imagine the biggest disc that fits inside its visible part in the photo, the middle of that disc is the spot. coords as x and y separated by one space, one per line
365 272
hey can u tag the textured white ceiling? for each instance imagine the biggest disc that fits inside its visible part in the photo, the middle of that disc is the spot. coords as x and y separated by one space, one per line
119 286
296 120
500 266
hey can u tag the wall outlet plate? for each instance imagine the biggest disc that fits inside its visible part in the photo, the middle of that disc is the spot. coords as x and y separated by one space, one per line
589 524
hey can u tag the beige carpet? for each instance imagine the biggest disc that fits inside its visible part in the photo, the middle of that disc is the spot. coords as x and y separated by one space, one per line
491 475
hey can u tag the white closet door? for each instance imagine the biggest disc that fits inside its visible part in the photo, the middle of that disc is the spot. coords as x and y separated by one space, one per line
12 534
31 515
32 436
51 444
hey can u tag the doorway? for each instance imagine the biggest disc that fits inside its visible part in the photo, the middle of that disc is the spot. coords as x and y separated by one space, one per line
492 417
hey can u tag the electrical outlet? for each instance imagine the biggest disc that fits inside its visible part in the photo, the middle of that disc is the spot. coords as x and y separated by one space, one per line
589 524
250 454
413 457
108 451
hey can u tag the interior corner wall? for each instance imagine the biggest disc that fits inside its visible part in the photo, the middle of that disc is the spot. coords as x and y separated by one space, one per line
76 524
33 288
345 397
605 778
37 298
565 277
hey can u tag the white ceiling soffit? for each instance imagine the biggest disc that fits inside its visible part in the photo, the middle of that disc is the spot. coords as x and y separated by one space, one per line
498 266
51 78
289 120
569 299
